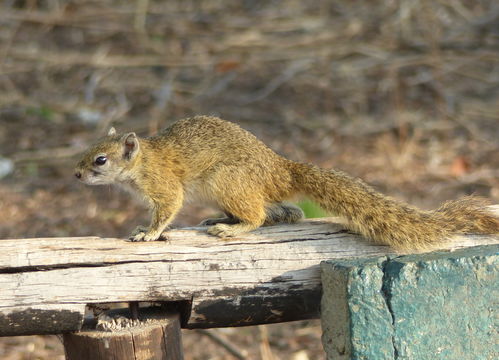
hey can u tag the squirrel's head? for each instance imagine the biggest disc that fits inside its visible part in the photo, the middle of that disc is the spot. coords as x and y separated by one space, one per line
109 160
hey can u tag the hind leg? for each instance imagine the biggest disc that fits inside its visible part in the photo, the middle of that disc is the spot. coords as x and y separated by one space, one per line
276 213
248 214
281 212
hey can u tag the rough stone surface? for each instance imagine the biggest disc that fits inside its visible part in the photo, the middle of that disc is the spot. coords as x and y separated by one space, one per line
353 308
432 306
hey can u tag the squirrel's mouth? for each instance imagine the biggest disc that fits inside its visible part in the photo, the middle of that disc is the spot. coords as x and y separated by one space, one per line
90 178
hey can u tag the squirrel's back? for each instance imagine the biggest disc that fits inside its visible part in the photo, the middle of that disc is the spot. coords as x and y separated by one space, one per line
221 138
227 157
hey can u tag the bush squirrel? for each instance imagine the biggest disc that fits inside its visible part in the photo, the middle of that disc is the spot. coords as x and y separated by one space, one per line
209 159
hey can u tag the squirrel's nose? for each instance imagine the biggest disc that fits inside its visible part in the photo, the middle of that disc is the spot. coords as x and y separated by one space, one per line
78 174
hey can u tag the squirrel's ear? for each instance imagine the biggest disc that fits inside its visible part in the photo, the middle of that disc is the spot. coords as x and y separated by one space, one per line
111 132
130 145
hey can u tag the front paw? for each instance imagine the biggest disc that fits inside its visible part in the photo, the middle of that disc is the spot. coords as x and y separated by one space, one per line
153 236
138 233
143 234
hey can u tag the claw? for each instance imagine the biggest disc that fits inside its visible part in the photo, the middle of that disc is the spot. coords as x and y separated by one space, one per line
139 236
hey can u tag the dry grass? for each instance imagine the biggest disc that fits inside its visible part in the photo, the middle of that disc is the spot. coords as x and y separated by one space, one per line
401 93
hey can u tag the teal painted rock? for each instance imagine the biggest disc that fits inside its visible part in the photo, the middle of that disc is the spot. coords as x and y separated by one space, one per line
432 306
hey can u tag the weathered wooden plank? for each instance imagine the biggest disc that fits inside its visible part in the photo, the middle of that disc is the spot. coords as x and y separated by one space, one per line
269 275
184 244
311 237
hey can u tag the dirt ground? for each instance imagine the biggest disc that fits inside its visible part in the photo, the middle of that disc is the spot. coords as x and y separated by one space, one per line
402 94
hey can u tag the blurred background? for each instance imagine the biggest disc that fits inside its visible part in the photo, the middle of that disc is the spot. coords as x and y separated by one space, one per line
403 94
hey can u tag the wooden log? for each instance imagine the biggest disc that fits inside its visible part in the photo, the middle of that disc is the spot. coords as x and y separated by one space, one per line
269 275
156 338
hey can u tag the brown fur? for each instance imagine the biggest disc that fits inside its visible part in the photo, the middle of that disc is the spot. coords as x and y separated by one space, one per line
213 160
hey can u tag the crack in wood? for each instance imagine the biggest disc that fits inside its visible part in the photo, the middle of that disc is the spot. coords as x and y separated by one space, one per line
24 269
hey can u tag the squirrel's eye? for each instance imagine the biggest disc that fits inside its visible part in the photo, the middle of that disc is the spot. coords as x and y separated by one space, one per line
101 160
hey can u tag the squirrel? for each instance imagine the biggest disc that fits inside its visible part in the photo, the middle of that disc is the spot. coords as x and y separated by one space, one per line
213 160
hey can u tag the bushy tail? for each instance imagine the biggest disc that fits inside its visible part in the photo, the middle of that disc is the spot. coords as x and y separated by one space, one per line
471 215
387 221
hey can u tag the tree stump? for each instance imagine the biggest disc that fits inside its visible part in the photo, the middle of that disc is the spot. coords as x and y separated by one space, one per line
152 338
